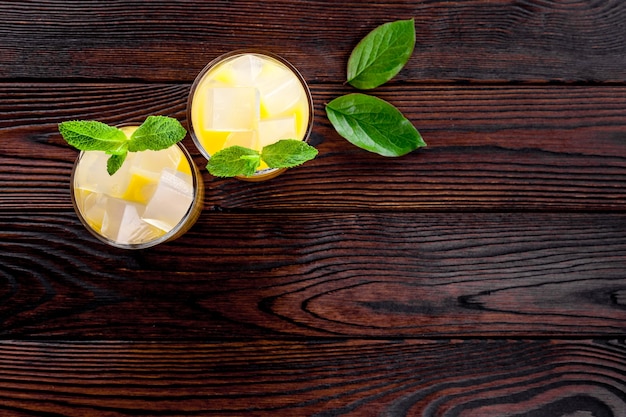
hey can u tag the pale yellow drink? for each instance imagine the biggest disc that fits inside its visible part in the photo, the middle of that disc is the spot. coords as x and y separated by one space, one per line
154 197
249 99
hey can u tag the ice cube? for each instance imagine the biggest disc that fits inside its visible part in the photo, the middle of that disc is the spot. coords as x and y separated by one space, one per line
149 163
122 223
280 89
170 201
91 174
247 139
245 69
273 130
93 208
231 109
144 232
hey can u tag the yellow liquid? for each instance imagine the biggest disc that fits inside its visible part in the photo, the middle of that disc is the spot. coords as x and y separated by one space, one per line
249 100
131 207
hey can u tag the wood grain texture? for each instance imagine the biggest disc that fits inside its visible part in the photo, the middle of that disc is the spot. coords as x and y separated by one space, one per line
319 275
482 276
493 147
334 378
495 40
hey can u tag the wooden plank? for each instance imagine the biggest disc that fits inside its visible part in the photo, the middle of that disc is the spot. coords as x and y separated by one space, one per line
497 40
495 147
287 378
319 274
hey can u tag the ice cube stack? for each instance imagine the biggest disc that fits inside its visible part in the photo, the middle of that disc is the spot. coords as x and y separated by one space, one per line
146 198
257 101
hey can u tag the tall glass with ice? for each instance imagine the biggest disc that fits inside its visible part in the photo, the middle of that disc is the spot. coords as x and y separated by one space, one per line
155 196
250 99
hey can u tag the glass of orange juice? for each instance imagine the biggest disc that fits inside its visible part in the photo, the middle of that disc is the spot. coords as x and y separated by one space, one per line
156 196
252 99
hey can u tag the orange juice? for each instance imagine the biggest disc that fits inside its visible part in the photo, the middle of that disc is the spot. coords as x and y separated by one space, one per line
249 99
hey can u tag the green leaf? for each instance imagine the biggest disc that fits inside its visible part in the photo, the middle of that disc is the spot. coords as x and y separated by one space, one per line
115 162
234 161
156 133
381 54
287 153
89 135
373 124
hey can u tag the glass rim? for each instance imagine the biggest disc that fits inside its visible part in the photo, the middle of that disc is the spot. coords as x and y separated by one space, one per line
267 172
194 208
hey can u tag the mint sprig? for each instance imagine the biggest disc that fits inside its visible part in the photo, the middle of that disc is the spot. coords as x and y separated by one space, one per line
240 161
233 161
88 135
155 133
370 122
287 153
115 162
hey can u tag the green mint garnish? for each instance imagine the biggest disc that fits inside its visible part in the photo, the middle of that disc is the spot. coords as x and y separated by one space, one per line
88 135
366 121
233 161
155 133
380 55
115 162
287 153
237 160
373 124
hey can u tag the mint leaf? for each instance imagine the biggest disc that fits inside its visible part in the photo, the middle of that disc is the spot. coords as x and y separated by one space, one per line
234 161
89 135
115 162
373 124
287 153
237 160
381 54
156 133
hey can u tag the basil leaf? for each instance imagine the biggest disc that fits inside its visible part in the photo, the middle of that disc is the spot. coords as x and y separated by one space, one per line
287 153
156 133
373 124
380 55
90 135
234 161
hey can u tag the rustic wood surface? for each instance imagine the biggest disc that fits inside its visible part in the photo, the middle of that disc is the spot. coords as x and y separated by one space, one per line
481 276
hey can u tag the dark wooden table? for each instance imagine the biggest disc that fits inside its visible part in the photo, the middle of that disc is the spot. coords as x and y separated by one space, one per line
484 275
